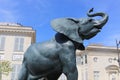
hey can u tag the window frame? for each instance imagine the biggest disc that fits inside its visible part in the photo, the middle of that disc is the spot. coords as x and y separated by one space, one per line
19 57
19 44
96 75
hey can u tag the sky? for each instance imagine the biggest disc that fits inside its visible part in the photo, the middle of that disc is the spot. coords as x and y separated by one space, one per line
39 13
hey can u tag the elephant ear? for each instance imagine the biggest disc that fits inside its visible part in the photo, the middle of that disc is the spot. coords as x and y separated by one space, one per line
68 27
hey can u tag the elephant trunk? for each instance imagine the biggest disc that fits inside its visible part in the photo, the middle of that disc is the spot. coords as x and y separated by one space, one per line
99 23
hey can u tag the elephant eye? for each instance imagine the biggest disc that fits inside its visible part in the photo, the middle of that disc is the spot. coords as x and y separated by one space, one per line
90 20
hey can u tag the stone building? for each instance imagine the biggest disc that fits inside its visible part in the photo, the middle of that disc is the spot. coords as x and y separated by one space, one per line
98 62
14 40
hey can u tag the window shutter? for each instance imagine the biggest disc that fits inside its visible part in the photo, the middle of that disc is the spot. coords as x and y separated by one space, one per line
21 44
16 44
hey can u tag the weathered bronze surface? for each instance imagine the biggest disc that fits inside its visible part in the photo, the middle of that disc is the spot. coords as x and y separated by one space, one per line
52 58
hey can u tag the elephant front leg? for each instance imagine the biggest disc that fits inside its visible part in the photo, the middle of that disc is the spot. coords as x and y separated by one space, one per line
69 66
71 72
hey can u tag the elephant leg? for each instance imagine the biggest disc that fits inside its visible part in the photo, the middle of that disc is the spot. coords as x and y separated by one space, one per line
23 75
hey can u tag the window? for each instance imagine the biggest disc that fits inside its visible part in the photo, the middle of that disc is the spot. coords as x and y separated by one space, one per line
82 61
17 57
96 75
78 60
2 42
15 71
86 59
19 44
113 76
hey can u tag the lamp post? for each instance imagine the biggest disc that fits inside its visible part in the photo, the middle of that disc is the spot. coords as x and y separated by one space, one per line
117 45
118 59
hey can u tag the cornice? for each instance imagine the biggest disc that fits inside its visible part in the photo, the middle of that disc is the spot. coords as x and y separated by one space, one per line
101 49
16 27
17 30
79 52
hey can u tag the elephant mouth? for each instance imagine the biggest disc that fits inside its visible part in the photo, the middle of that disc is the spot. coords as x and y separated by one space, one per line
91 33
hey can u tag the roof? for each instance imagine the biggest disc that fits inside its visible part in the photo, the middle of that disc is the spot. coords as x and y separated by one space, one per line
14 27
101 48
10 24
17 29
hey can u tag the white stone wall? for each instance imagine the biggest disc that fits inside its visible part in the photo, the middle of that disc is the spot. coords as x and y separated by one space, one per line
99 59
15 57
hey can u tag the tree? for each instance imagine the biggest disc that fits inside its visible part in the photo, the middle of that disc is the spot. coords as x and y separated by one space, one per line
4 68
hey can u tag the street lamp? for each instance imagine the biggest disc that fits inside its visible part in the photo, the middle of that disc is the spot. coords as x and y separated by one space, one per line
118 59
117 45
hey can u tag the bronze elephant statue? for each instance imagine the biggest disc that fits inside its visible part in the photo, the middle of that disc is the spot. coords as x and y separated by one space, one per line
50 59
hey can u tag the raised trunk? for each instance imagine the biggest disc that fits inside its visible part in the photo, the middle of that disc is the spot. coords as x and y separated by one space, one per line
100 22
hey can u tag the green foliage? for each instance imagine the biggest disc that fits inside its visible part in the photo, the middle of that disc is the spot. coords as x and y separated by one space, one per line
5 67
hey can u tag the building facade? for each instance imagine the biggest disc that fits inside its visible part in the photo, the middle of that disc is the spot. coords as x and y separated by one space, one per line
14 40
98 62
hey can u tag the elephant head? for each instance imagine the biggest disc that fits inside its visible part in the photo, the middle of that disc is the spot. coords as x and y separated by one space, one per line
80 29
